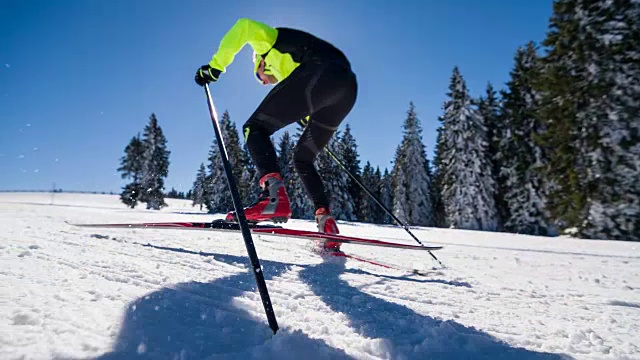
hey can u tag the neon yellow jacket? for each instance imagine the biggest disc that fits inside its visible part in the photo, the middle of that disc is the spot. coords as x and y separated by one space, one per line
282 49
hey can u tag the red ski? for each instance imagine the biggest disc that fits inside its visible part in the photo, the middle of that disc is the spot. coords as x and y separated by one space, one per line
221 225
382 264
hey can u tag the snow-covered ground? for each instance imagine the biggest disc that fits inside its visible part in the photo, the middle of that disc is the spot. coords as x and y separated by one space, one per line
76 293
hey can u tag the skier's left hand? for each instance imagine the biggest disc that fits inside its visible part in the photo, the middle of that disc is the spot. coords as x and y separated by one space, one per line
206 74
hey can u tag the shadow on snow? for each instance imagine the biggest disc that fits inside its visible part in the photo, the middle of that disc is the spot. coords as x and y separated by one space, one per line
407 334
197 320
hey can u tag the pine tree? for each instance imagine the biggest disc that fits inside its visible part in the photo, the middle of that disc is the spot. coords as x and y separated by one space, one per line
336 182
285 162
489 108
199 186
218 196
236 156
611 121
350 159
131 168
412 180
301 205
400 204
418 171
368 207
590 108
562 88
378 213
173 194
439 212
467 183
521 157
155 166
386 198
250 178
130 194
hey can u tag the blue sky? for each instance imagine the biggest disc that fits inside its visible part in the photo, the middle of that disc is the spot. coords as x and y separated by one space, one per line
79 78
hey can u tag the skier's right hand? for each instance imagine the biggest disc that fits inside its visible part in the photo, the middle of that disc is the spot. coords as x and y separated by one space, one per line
206 74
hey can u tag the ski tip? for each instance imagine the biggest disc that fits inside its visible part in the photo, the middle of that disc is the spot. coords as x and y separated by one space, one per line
81 225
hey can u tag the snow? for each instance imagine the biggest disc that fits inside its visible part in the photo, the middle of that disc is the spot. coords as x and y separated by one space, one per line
71 293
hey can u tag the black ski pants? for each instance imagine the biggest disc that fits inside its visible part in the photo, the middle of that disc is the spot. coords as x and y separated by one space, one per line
323 90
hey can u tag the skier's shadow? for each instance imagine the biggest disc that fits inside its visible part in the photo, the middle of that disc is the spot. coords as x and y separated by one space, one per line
195 320
405 333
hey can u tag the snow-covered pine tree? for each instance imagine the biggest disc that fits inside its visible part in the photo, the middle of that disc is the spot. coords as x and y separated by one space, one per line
250 179
217 196
199 186
173 194
131 168
285 162
467 183
521 158
386 198
400 205
350 159
336 182
369 210
411 169
378 212
562 88
439 213
155 165
301 205
610 139
590 93
236 156
489 108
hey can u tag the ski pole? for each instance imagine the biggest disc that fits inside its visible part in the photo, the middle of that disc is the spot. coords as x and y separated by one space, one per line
400 222
303 123
242 220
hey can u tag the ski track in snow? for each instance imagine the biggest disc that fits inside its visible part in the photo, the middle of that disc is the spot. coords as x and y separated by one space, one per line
74 293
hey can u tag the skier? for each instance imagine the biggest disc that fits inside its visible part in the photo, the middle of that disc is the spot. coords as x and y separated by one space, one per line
314 85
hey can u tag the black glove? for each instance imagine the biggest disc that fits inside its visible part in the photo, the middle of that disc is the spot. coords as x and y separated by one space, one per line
206 74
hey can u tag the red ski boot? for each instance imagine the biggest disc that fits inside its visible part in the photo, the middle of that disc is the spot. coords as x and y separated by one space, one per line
327 224
272 204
